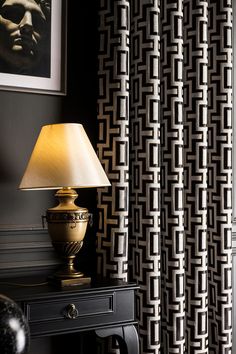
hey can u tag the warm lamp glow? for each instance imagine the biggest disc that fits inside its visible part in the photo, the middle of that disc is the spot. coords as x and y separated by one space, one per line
63 158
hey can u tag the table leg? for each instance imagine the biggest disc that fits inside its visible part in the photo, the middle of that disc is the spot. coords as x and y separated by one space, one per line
126 336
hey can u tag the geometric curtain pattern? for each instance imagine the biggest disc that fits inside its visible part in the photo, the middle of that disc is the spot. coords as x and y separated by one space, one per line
165 141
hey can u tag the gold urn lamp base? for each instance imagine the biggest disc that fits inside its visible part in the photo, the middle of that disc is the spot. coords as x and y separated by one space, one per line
67 224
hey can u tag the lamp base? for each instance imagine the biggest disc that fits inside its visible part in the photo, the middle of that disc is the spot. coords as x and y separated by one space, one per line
69 282
67 225
67 275
68 250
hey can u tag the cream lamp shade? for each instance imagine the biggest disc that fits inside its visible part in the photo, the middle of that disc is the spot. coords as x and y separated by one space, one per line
63 157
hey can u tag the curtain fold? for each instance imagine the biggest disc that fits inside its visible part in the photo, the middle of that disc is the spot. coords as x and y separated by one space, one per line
165 140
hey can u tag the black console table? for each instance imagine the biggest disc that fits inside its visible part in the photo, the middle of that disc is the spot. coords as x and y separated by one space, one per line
106 307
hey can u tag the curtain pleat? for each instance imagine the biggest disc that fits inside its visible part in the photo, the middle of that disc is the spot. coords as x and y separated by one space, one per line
219 186
165 141
113 147
172 178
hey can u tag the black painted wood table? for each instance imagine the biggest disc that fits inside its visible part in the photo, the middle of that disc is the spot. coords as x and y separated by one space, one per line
106 307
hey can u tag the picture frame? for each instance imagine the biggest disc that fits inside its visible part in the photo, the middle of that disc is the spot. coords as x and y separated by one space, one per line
51 75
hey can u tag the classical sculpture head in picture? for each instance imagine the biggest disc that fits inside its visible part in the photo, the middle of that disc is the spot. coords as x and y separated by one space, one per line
25 37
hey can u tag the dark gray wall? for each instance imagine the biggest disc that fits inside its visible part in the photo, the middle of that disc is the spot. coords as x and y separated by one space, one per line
22 116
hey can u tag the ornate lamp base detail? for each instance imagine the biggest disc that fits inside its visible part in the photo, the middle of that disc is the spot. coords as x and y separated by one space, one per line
68 250
67 275
67 225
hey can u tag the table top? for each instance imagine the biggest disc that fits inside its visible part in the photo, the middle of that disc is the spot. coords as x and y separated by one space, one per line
27 288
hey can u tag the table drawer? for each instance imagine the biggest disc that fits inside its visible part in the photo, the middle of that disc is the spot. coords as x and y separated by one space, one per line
53 316
56 310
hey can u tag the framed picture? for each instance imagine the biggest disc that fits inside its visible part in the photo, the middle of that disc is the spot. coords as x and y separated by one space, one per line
33 46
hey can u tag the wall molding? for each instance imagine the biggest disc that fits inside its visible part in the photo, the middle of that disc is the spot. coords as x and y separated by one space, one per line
26 252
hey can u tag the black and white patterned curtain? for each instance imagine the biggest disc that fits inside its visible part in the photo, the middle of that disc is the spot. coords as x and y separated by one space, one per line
164 112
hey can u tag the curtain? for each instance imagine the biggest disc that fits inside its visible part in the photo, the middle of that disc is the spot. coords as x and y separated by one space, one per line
165 141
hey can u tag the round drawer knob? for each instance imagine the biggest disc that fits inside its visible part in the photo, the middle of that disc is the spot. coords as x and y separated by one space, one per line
71 312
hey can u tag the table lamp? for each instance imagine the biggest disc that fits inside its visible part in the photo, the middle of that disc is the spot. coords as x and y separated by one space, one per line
64 159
